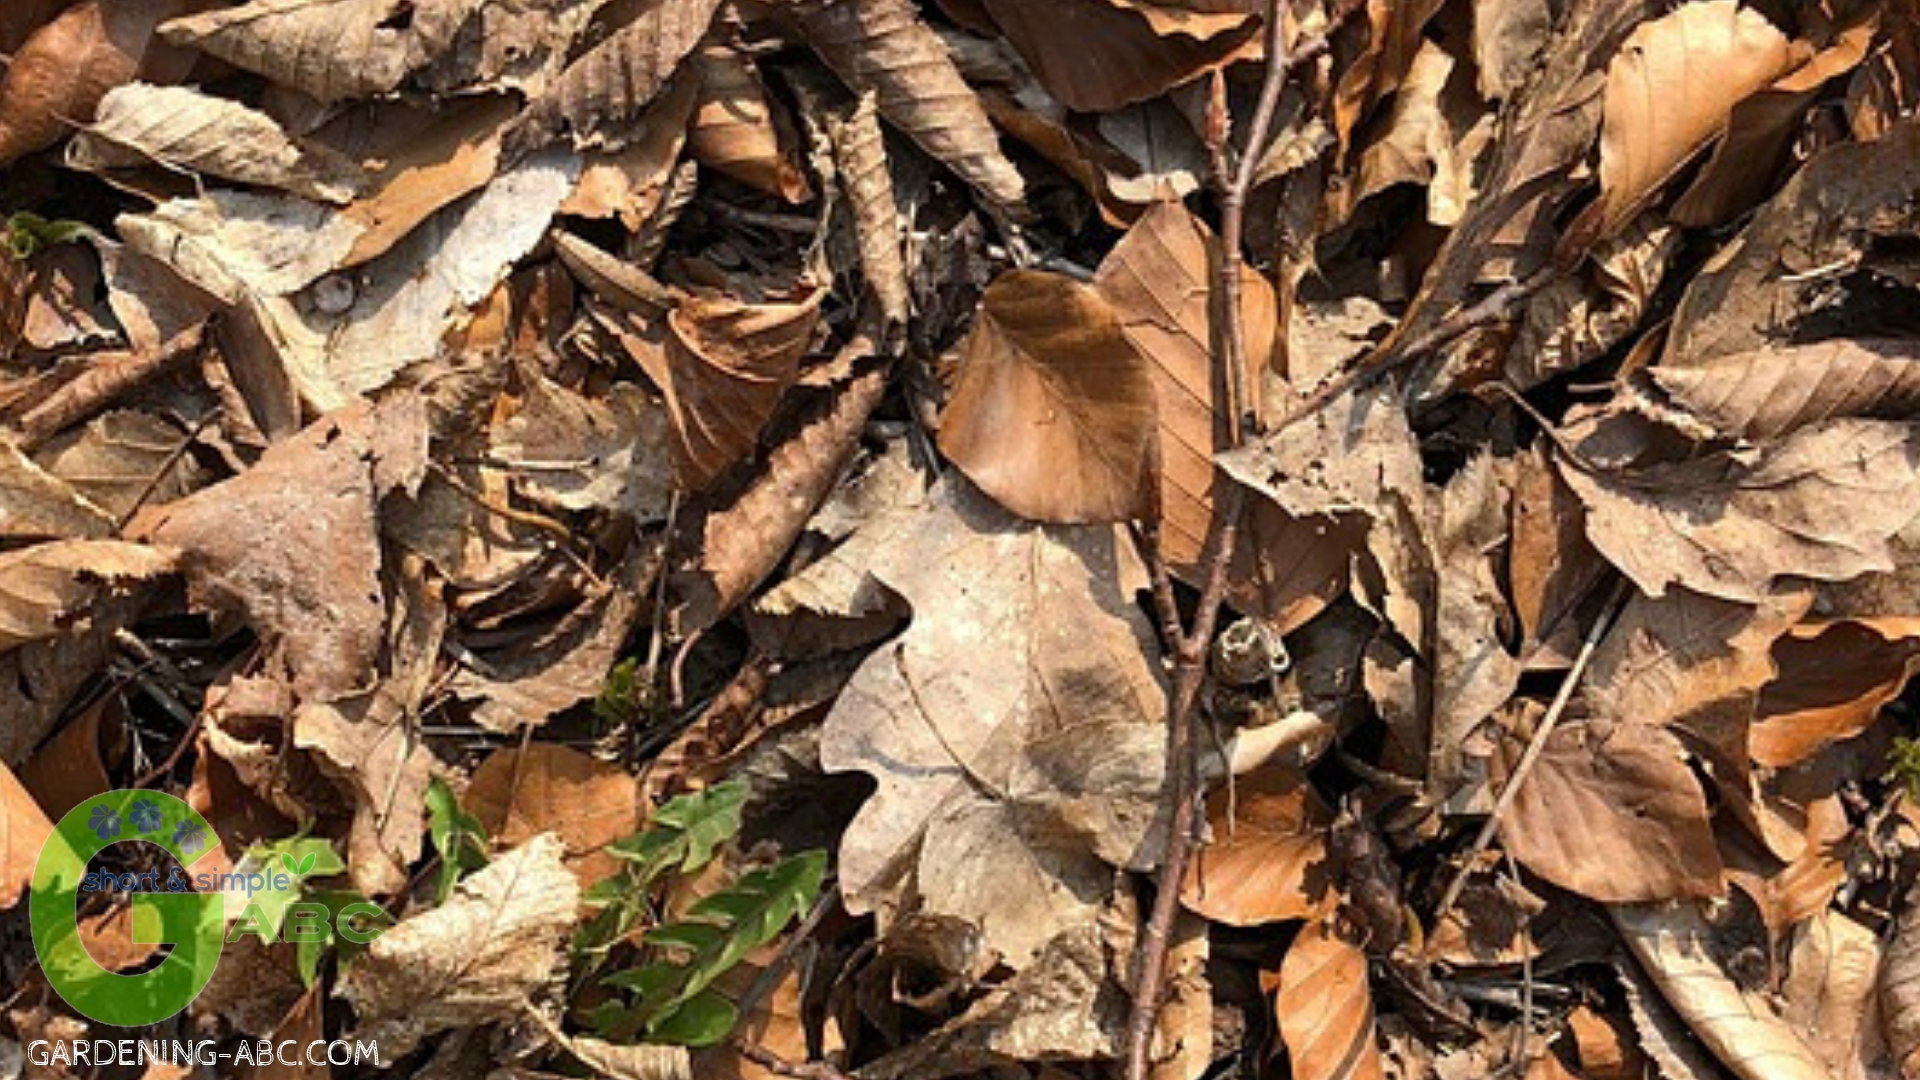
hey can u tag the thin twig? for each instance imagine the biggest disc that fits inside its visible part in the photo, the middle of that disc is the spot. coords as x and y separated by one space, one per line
1491 827
779 1066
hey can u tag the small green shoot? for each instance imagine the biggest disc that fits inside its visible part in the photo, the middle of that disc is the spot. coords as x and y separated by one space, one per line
1903 765
457 836
28 233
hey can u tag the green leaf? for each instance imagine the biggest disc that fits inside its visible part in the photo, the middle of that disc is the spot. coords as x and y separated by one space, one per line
309 954
705 1019
457 836
619 700
27 233
686 831
311 852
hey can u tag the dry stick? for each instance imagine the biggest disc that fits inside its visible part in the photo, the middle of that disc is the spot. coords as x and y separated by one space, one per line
1491 827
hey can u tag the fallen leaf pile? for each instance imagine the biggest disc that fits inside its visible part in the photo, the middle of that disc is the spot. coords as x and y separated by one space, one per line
591 468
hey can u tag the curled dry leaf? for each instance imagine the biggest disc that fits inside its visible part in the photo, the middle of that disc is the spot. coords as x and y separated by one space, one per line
1156 281
1053 410
1766 393
306 570
1832 682
860 162
599 96
1615 815
1122 51
728 363
1673 943
735 129
182 128
1900 986
1325 1008
1820 503
1017 721
1669 91
47 587
882 47
64 69
334 50
476 959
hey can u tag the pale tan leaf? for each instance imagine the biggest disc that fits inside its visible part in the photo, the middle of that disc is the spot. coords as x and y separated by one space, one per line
1674 944
1820 503
425 162
477 958
47 588
637 1061
1767 393
1325 1008
1268 859
596 100
1156 280
1508 38
1900 986
728 363
119 457
1009 783
234 243
334 50
65 68
1830 992
1053 410
306 570
1614 815
182 128
881 46
1473 673
24 828
1671 89
736 131
37 505
581 453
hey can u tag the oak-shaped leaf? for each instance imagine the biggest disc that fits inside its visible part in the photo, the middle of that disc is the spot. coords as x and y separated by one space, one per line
1053 410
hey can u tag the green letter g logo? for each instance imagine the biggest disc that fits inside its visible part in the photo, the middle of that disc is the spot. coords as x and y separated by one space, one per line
190 922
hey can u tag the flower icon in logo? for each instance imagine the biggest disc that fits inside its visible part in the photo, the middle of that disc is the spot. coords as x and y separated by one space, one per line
146 816
189 836
104 823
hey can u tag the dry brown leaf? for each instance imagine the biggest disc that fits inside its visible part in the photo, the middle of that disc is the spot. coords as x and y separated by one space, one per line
579 453
586 802
124 459
47 588
1393 39
1767 393
1508 38
426 162
861 168
305 1023
728 363
1325 1008
37 505
334 50
65 68
632 183
1832 682
475 959
596 100
1268 859
1122 51
735 129
1156 280
1551 566
24 828
1820 503
39 681
1900 986
1039 757
1830 992
1674 944
306 568
1052 413
882 47
1670 90
1431 136
178 127
1473 673
1614 815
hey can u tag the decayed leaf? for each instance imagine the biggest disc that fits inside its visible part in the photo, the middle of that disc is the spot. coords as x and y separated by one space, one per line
1900 986
236 244
1325 1009
306 569
1015 722
1473 673
35 505
64 69
1673 943
475 959
1508 37
1820 503
1766 393
124 459
881 46
1833 974
23 829
581 453
1669 90
1156 280
1053 410
1159 156
183 128
600 94
44 589
734 130
586 802
1615 815
334 50
1268 859
727 365
1122 51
